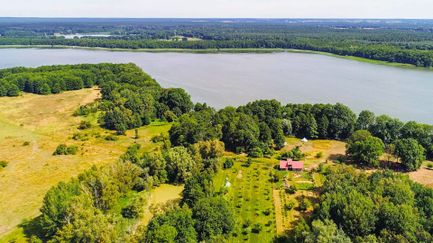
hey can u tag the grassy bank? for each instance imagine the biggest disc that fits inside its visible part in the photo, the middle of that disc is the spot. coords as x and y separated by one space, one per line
226 50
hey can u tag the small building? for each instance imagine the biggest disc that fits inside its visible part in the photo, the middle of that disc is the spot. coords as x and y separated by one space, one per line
291 165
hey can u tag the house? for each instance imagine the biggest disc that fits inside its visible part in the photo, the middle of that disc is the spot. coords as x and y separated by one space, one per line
291 165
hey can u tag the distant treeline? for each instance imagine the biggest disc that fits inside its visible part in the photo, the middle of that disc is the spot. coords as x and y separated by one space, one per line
407 54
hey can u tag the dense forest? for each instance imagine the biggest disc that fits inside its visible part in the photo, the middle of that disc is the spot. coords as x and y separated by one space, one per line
401 41
105 204
359 207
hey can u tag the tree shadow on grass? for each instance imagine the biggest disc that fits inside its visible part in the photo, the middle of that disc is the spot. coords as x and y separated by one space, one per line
32 228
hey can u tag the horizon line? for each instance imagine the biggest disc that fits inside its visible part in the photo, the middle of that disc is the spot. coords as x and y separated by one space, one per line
258 18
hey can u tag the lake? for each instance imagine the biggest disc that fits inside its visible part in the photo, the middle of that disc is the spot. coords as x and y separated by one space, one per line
235 79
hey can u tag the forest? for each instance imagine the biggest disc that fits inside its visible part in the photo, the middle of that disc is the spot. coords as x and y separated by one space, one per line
105 204
403 41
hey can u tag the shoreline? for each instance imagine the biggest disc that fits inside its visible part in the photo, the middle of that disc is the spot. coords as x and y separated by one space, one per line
217 51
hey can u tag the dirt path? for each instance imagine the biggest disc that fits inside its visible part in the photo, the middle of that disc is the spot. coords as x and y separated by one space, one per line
279 224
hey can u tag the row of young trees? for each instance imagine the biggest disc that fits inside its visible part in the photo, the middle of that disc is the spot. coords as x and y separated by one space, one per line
358 207
261 126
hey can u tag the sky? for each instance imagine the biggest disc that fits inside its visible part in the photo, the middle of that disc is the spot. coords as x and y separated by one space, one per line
219 8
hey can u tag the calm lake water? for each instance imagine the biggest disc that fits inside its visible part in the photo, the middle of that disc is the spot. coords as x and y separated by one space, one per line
234 79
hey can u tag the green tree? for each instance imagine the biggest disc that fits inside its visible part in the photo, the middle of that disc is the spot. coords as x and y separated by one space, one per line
180 165
410 152
365 120
326 232
177 100
213 217
365 150
197 187
54 210
175 225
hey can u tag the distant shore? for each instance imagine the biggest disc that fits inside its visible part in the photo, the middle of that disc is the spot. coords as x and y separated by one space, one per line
224 50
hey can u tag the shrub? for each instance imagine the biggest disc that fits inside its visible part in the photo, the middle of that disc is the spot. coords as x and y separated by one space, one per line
256 228
430 166
84 125
256 152
133 210
85 110
304 204
248 163
72 149
111 138
295 154
228 163
291 189
246 224
319 155
26 143
62 149
80 136
3 164
290 205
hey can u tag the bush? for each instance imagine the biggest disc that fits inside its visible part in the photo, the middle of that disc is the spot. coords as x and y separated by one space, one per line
85 110
134 210
228 163
72 149
248 163
79 136
84 125
430 166
319 155
62 149
295 154
290 205
3 164
256 228
291 189
26 143
305 204
256 152
111 138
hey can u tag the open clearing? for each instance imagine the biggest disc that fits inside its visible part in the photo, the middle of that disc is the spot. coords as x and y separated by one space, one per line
159 196
45 122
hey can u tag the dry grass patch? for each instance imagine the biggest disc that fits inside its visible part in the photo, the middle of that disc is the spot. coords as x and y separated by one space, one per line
160 196
31 127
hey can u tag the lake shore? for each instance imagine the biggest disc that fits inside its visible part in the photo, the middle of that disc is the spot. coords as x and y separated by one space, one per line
216 51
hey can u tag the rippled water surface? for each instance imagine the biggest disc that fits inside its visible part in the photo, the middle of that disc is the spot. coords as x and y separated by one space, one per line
235 79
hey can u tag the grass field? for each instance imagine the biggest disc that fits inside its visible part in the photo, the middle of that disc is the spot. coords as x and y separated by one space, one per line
31 127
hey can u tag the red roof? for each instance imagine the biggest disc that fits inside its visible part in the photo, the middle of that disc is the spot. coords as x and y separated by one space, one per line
290 164
297 165
284 164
